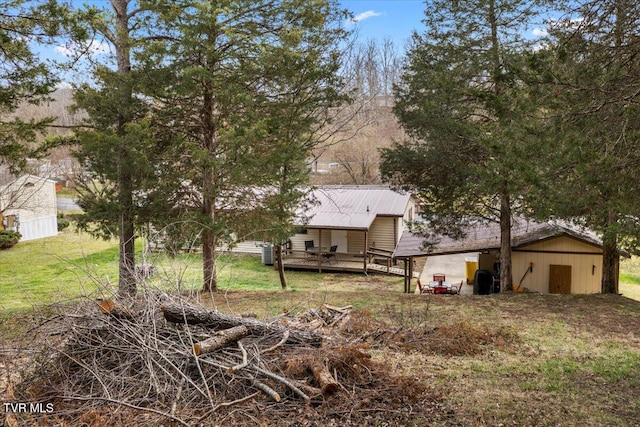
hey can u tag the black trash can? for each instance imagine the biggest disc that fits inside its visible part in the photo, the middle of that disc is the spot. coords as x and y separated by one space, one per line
482 282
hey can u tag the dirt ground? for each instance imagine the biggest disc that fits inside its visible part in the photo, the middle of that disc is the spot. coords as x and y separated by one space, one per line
444 360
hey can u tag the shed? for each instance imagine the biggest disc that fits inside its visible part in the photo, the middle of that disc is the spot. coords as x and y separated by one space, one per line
28 206
548 257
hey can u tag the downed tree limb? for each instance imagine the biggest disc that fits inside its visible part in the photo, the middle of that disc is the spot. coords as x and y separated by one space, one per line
190 314
325 380
220 340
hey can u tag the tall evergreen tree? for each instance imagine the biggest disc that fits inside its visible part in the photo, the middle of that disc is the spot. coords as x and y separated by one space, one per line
592 96
470 155
246 83
116 149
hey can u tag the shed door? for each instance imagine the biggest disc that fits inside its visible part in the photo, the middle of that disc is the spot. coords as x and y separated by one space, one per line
559 279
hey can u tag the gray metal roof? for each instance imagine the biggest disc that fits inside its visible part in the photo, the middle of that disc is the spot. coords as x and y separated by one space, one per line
354 207
485 237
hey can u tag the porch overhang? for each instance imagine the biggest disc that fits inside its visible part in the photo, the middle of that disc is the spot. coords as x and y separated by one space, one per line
341 221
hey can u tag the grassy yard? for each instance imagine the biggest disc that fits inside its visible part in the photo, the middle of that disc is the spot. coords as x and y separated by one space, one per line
510 359
71 264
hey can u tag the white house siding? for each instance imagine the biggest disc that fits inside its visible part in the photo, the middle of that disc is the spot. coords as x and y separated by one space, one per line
582 257
38 228
253 247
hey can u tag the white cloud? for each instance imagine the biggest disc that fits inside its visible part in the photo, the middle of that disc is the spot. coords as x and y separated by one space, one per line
540 32
364 15
95 48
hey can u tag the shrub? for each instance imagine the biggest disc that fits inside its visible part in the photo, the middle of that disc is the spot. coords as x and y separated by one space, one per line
63 223
8 238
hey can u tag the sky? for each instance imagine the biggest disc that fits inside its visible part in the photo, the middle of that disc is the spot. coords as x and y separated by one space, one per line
382 19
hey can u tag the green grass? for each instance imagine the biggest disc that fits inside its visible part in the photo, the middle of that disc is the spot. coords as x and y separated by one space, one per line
44 270
71 264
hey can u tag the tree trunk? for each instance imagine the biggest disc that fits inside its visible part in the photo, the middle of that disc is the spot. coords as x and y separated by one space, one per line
198 315
610 258
506 276
210 280
127 260
280 265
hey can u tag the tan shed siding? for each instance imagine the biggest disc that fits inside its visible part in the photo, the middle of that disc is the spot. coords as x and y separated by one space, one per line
584 280
382 233
563 244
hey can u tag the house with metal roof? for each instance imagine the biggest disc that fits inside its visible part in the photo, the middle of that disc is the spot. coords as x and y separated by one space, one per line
547 257
350 228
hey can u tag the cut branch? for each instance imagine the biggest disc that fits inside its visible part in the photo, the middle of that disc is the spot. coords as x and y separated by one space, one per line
220 340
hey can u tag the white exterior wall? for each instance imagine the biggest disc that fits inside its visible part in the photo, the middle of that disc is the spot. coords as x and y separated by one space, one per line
38 228
33 201
253 247
582 257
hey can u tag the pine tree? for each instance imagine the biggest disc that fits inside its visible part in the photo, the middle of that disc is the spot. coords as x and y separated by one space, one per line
471 153
116 150
245 86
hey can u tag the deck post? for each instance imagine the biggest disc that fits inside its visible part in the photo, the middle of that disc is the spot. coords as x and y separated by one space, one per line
406 267
410 261
319 259
366 248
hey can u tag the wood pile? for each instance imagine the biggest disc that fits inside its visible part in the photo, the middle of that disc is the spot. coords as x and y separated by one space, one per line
175 360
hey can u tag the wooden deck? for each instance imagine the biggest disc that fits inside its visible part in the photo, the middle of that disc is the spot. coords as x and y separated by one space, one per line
352 265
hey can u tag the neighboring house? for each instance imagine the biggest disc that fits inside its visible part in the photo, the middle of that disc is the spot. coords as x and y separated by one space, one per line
345 227
28 206
549 257
362 224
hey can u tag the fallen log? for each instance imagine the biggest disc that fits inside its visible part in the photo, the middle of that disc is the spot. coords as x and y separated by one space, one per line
325 380
220 340
193 315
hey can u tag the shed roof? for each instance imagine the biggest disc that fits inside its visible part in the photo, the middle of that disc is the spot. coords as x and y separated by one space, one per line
354 206
483 237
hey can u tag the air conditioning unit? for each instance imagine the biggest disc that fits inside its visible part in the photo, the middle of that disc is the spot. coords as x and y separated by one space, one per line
267 254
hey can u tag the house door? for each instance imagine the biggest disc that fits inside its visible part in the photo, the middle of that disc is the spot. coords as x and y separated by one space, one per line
339 237
559 279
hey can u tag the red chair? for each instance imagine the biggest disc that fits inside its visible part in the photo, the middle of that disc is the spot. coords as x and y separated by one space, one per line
438 277
440 289
424 289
